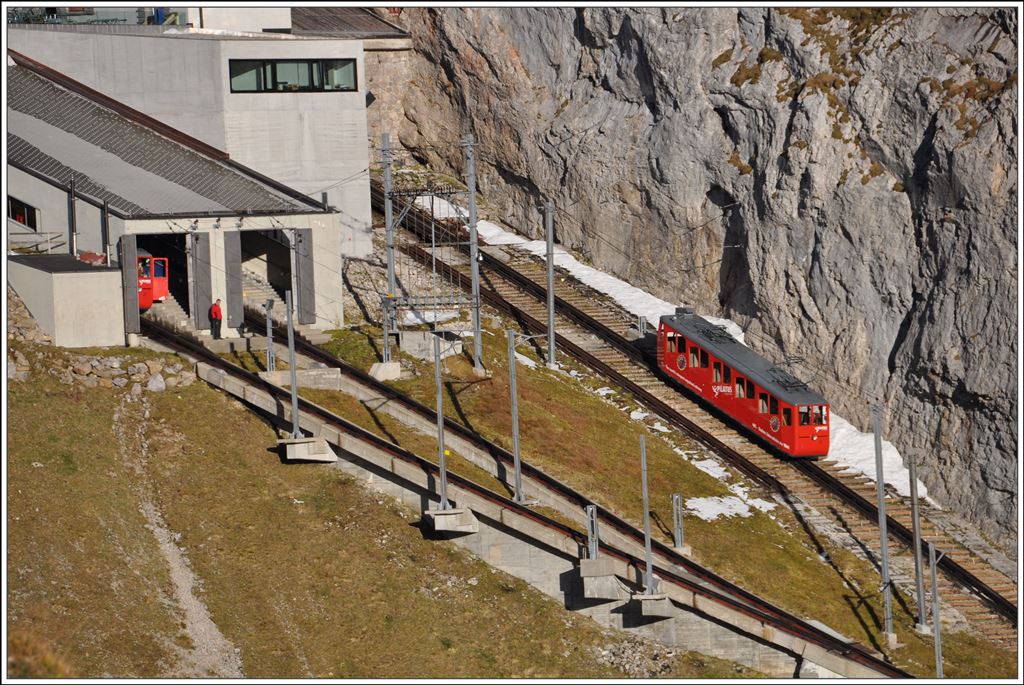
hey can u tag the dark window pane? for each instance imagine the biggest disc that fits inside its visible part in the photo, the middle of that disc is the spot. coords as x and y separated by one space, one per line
292 75
703 359
787 416
728 375
339 74
246 76
159 268
773 405
762 403
750 389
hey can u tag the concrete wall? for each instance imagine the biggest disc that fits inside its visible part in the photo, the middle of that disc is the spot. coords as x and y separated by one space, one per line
76 309
310 141
241 18
52 204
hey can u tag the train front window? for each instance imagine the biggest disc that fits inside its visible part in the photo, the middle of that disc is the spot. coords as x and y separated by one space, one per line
762 403
159 269
805 416
819 416
144 269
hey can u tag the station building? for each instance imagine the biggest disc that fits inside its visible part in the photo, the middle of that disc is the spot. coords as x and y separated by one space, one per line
289 102
105 178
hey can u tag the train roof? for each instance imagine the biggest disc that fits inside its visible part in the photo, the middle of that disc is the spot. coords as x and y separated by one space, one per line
743 360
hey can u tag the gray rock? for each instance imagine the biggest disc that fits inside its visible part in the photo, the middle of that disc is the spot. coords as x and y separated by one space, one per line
120 382
136 389
156 383
11 370
154 366
83 368
186 379
845 192
90 381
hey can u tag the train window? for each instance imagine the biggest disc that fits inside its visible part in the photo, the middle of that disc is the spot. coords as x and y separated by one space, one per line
703 359
718 372
740 388
144 268
819 416
750 388
728 374
787 417
805 416
159 269
773 405
694 362
762 403
670 339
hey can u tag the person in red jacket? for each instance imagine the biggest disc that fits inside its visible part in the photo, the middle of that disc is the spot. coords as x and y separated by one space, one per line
215 319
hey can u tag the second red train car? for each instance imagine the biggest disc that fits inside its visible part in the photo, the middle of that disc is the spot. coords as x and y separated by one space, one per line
763 398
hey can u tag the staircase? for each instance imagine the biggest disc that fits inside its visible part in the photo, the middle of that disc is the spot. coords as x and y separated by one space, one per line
256 291
172 315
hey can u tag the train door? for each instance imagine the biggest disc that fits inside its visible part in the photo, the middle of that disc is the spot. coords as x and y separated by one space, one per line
160 286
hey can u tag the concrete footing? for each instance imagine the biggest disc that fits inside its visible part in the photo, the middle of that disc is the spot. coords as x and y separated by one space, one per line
386 371
658 606
325 379
420 344
452 520
685 550
599 580
307 449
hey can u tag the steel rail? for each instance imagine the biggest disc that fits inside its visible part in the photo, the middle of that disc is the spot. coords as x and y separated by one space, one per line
951 568
791 625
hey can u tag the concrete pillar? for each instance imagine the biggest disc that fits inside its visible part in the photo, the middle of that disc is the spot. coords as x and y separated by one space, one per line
218 274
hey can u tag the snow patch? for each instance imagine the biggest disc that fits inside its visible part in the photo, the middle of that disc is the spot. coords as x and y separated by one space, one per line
711 508
855 450
712 468
415 317
526 361
638 414
660 427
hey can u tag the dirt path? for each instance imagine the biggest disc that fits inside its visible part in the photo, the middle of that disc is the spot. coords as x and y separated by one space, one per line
211 654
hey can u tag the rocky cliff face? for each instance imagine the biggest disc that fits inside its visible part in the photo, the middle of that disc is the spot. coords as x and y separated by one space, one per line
842 182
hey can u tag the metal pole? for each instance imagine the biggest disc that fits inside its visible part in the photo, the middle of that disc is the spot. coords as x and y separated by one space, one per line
473 256
73 220
677 519
922 620
648 572
105 229
389 228
936 623
518 494
592 536
549 230
385 317
268 305
296 433
389 234
876 414
440 425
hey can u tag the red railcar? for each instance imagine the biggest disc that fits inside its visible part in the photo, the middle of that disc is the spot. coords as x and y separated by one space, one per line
153 275
761 397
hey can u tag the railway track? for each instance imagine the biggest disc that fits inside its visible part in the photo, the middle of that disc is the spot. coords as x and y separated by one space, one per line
681 573
596 331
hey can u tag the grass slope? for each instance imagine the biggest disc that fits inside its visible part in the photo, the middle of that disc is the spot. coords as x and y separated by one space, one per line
301 568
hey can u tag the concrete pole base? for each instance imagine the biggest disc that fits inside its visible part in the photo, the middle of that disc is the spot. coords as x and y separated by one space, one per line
481 372
307 449
452 520
386 371
685 550
922 629
655 605
891 641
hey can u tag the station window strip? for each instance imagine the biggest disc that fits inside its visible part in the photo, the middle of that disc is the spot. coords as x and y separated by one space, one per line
293 75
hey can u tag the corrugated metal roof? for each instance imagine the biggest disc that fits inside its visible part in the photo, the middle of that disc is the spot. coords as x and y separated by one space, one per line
343 22
743 360
138 171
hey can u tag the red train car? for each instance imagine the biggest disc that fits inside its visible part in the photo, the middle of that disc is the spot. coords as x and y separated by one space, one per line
761 397
153 273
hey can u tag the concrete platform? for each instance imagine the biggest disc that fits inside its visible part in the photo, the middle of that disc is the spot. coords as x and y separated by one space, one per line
386 371
452 520
325 379
307 449
420 344
655 605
